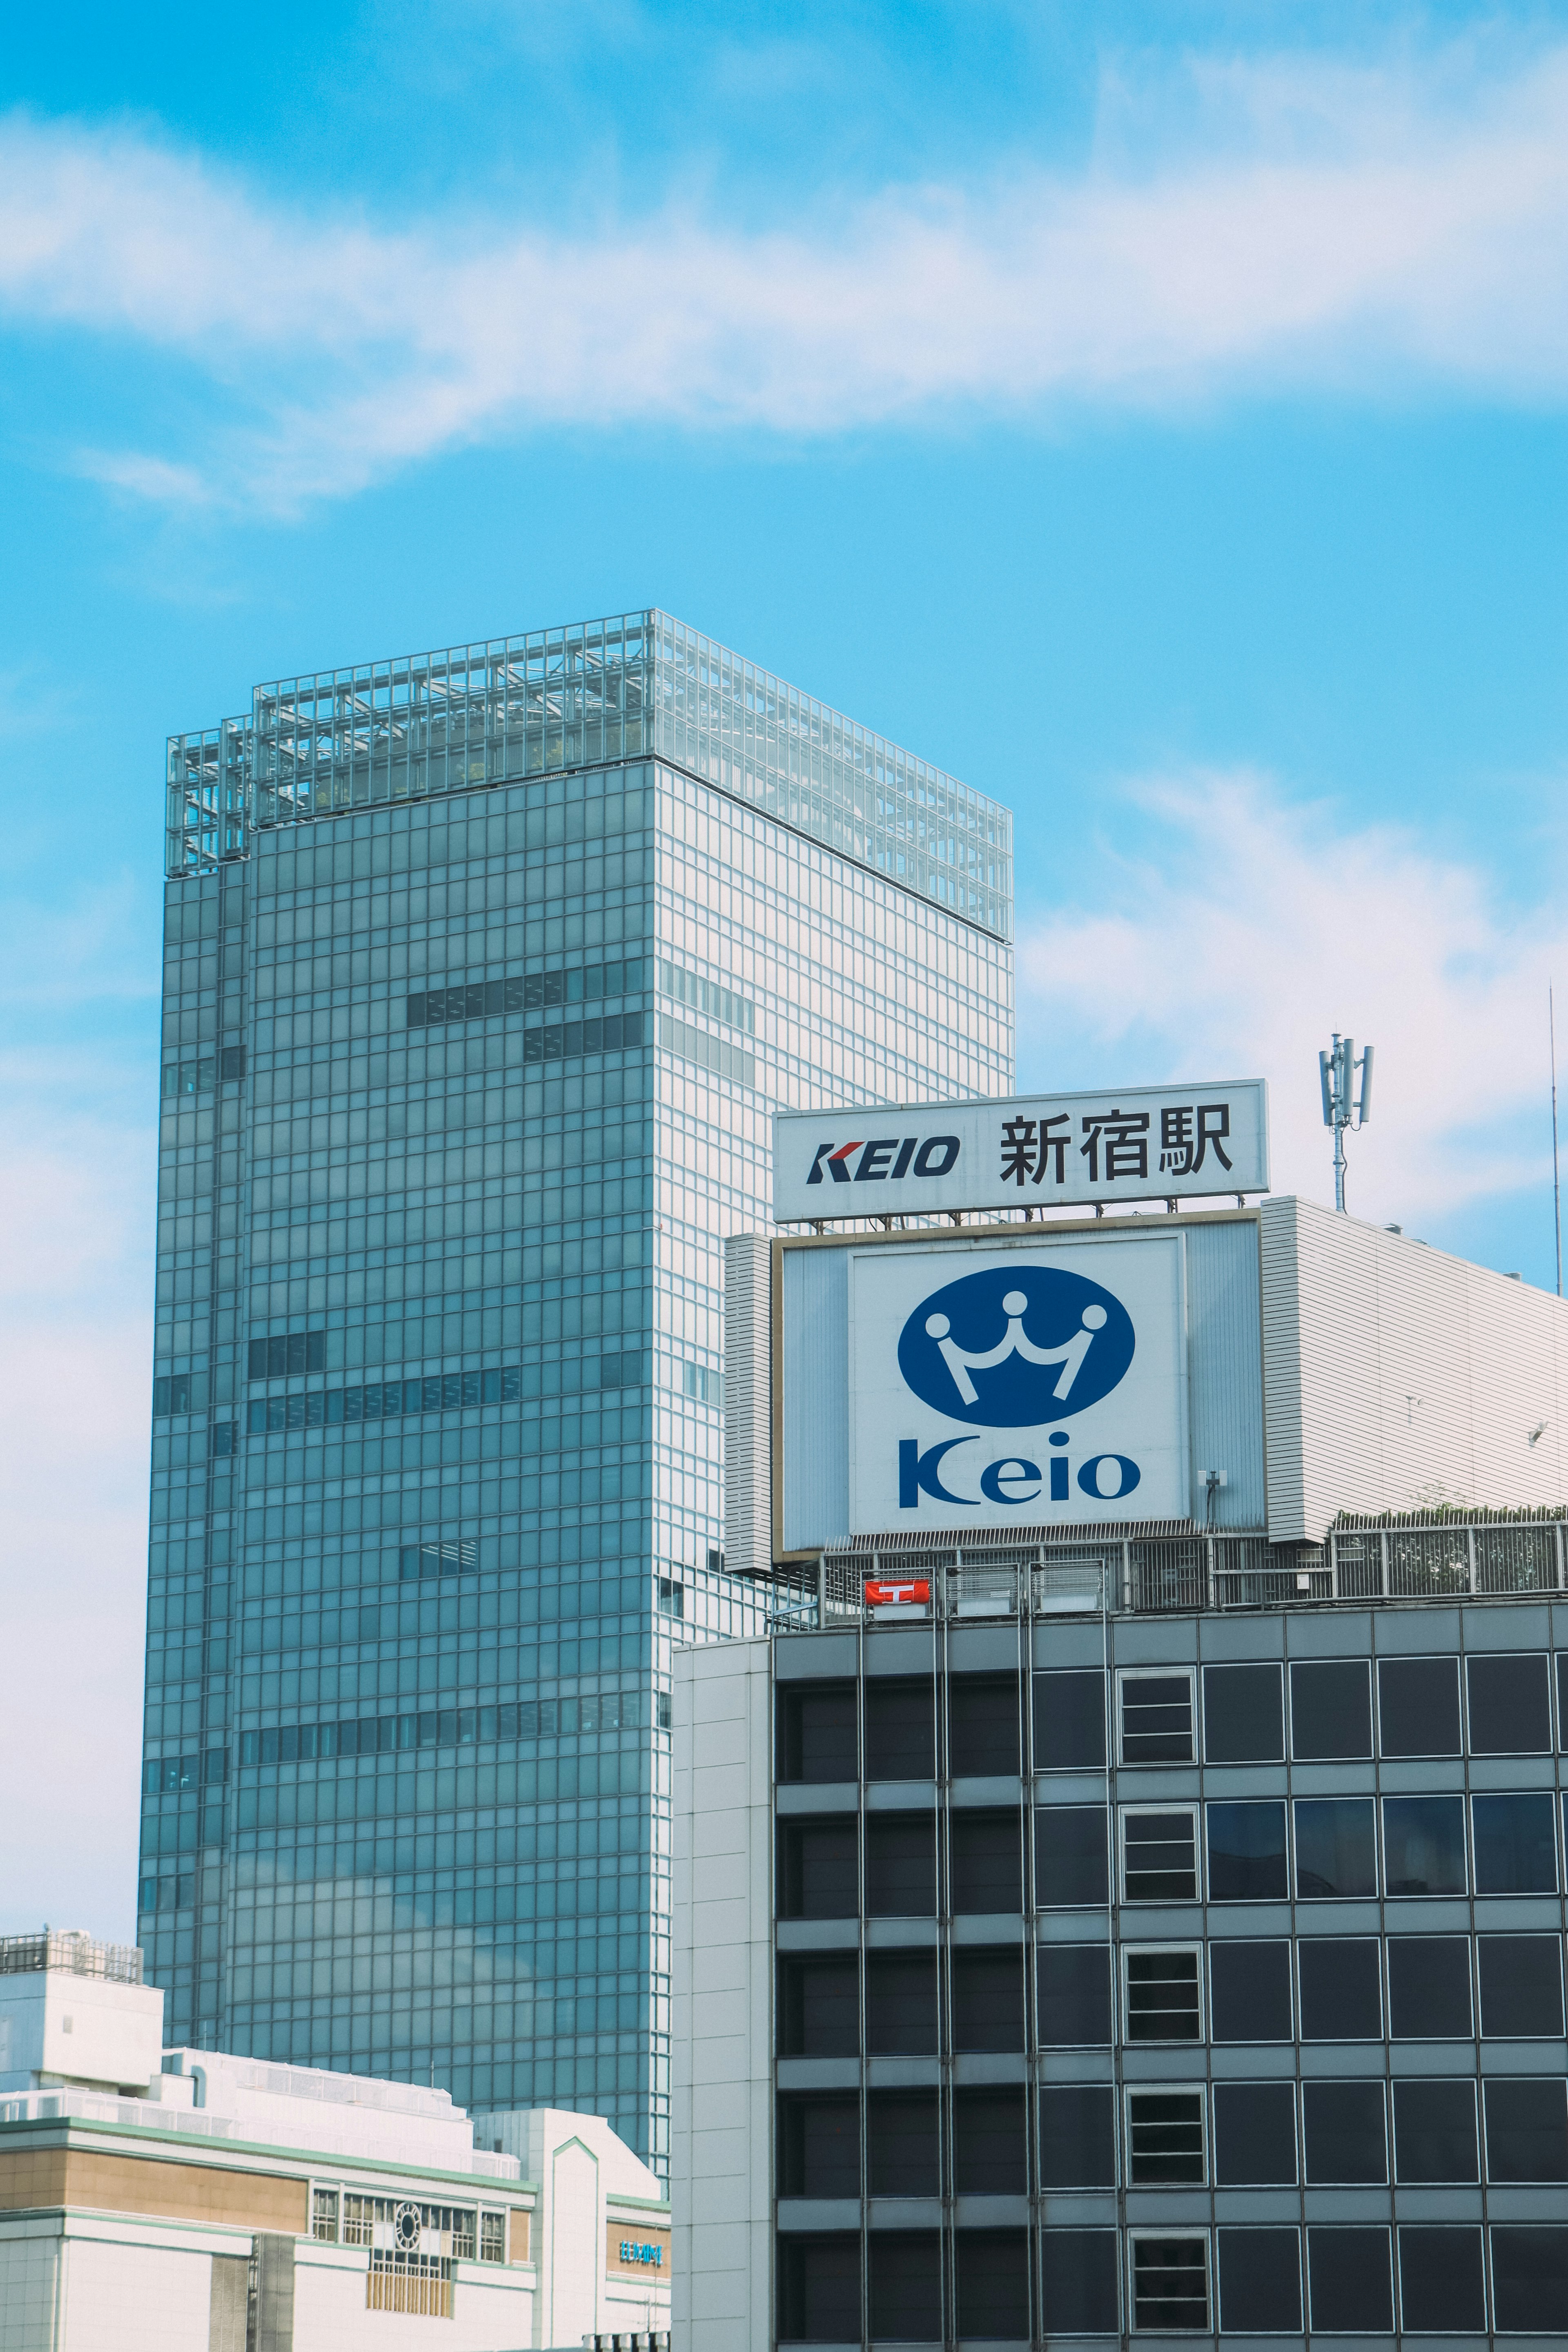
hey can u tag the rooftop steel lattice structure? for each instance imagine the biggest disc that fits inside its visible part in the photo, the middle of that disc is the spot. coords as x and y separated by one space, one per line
635 684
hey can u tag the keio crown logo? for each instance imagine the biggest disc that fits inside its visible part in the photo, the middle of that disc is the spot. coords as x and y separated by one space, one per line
1015 1347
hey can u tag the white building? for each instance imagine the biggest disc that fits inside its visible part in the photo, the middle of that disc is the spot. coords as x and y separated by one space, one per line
190 2202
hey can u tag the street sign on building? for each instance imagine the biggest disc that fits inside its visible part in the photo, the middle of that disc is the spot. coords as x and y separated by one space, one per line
1029 1152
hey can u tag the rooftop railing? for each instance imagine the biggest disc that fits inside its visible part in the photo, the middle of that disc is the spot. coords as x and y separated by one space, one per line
79 1955
1408 1558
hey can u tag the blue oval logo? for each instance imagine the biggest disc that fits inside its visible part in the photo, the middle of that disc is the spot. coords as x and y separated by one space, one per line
1016 1347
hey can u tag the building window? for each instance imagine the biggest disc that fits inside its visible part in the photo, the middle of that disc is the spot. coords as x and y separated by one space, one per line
492 2238
1345 2131
903 2144
900 1866
1442 2288
1418 1707
1070 1722
1243 1715
1424 1845
986 1855
1169 2283
1078 2283
1165 2140
1529 2279
900 1729
816 1868
820 2147
1509 1705
817 1732
819 2009
1159 1854
701 1382
1260 2282
1522 1987
1336 1848
990 2141
1434 2131
982 1726
324 2216
904 2282
901 2013
1074 1989
1331 1710
1342 1989
1078 2136
987 1998
1527 2128
1249 1990
1247 1860
1070 1861
1429 1988
291 1351
1350 2283
359 2221
1254 2135
818 2289
1516 1844
1162 1997
1156 1717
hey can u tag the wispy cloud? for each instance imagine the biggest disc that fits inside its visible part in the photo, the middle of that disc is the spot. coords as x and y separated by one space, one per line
1331 226
1249 928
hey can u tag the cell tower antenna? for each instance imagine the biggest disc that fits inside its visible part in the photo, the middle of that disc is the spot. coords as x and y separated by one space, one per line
1556 1189
1343 1107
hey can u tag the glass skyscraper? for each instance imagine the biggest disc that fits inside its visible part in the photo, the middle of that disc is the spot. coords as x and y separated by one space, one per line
483 972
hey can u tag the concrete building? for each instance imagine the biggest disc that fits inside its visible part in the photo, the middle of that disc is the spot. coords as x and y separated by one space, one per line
1108 1927
186 2201
484 970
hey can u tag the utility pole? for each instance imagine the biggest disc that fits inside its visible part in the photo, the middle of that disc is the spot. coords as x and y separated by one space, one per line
1337 1069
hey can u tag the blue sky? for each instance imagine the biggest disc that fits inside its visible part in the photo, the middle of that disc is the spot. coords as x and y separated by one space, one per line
1156 417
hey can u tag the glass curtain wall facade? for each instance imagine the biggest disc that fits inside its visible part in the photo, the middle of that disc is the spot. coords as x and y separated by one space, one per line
483 974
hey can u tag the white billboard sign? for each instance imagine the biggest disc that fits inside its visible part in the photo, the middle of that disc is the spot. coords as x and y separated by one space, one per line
1139 1143
1017 1386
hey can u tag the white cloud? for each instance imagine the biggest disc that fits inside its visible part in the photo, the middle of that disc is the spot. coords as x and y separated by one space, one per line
1253 929
1299 224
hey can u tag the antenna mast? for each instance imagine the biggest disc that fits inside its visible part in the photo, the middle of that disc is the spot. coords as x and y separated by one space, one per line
1336 1069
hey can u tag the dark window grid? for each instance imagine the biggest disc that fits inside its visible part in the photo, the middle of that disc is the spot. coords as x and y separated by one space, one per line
1168 2278
1165 2135
1244 1713
386 1400
1418 1709
1162 1993
1255 2132
1424 1845
1335 1848
1508 1701
1159 1853
1156 1716
1514 1840
1246 1845
1525 2130
1435 2139
1331 1709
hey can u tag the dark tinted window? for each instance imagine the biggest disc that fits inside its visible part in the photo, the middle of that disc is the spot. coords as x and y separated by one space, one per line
1254 2135
817 1732
1070 1722
1331 1709
1169 2283
1510 1706
1156 1718
819 2290
1074 1989
816 1870
993 2268
987 1998
1247 1853
1435 2130
1527 2128
1159 1854
819 2009
901 1867
1428 1987
1164 2002
1530 2278
901 2004
1349 2284
820 2147
981 1724
1341 1994
1418 1707
1243 1715
1070 1857
1249 1991
1424 1845
1078 2283
989 2155
901 1730
903 2144
1260 2281
1516 1844
1521 1986
1078 2136
1344 2133
986 1854
1165 2140
904 2276
1441 2286
1336 1847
